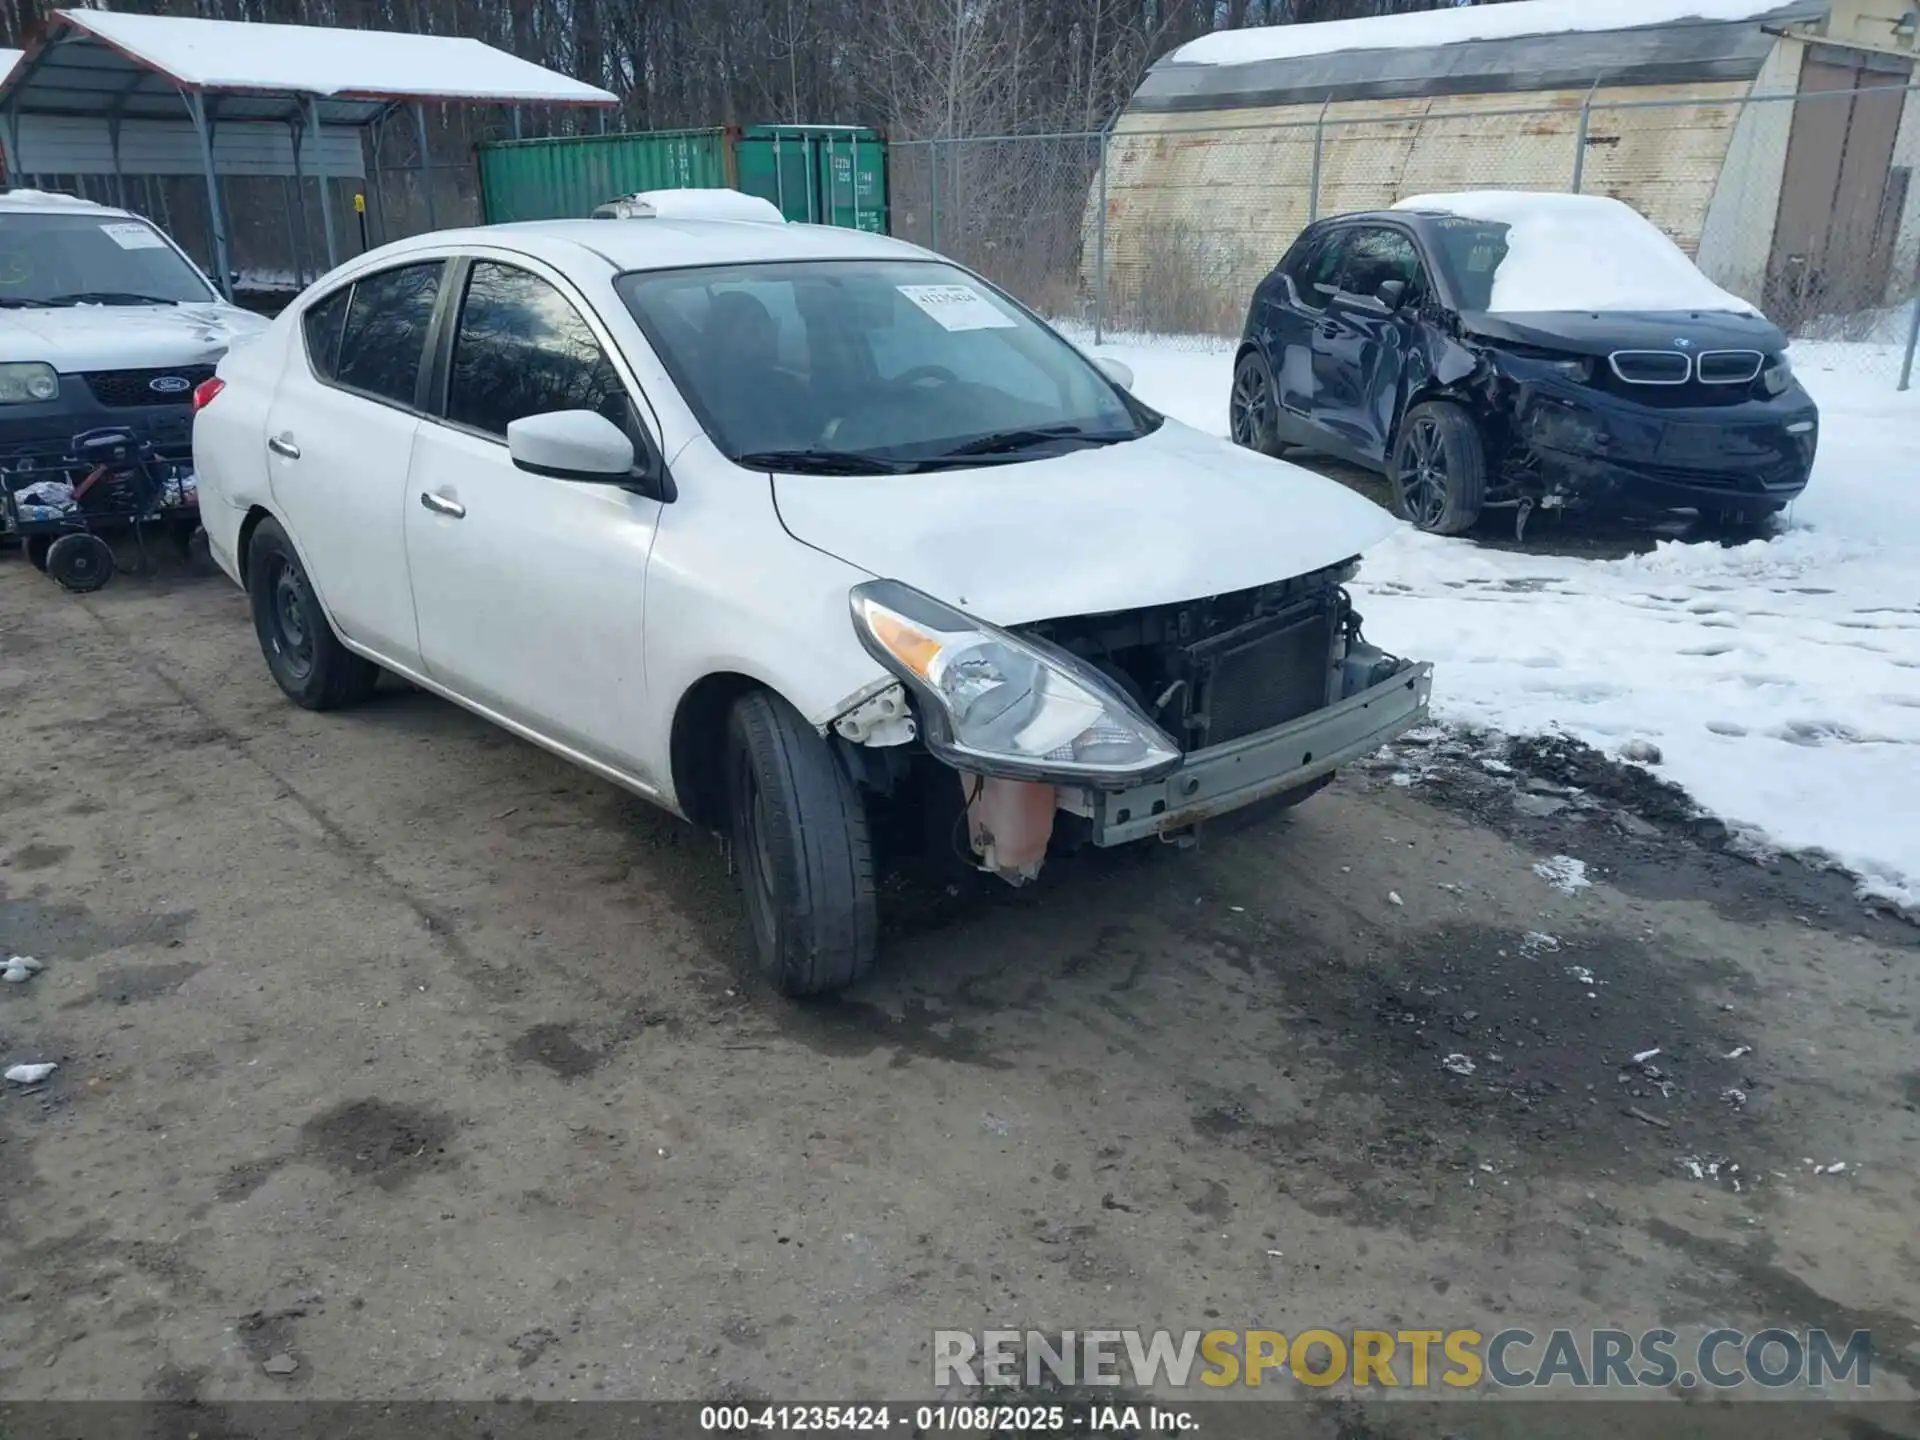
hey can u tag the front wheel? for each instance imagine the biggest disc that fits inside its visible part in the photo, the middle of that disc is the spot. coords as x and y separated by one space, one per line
1252 413
307 659
1439 469
800 841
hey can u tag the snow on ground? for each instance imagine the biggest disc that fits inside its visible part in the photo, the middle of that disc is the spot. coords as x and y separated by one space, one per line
1780 679
1452 26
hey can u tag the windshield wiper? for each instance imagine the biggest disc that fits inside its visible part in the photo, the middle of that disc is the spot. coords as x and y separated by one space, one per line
15 302
110 297
1013 442
822 462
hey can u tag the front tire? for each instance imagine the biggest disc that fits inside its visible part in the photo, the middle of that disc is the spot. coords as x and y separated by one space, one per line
306 658
1253 412
800 841
1439 469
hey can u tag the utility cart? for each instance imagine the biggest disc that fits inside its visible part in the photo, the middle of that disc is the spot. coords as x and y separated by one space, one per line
66 502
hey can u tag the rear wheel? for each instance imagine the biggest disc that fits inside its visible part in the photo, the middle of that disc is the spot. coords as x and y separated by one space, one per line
307 659
800 841
1253 414
1439 469
37 547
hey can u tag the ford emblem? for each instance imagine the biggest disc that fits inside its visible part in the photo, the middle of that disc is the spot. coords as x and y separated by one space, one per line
169 384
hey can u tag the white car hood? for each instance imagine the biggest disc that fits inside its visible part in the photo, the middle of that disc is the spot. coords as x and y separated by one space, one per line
78 338
1174 516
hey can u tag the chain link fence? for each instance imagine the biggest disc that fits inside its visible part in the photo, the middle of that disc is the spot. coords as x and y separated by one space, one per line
1803 204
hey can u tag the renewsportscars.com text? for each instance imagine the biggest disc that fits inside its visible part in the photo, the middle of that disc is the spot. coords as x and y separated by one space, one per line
1405 1358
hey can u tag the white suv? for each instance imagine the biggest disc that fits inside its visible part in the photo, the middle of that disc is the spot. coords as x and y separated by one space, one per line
104 322
802 533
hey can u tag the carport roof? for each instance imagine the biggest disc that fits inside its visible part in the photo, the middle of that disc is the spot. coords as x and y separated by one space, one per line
104 63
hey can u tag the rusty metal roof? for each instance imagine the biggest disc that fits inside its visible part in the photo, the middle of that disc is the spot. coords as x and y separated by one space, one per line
1671 52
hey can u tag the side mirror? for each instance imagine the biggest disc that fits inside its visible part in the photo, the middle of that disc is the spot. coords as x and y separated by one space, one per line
1117 371
1392 293
572 445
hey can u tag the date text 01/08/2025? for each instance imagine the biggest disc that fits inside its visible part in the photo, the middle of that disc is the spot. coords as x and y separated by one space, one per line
938 1419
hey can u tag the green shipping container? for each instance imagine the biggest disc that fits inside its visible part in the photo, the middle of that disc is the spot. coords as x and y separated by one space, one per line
817 174
564 177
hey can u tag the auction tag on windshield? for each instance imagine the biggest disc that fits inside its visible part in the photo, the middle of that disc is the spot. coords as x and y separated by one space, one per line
958 307
129 236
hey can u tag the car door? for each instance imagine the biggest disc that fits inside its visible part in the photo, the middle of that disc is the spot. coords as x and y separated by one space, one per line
1300 292
1359 346
529 590
339 438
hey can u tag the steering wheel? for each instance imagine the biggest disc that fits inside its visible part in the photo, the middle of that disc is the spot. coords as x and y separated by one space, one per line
925 374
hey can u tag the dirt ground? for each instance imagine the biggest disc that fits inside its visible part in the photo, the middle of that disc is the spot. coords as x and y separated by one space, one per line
391 1045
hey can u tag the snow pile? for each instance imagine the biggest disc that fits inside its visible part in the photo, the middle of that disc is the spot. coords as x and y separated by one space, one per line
1780 679
692 205
24 199
1582 252
1456 26
306 59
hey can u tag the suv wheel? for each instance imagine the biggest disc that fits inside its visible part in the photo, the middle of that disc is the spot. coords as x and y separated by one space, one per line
800 843
307 659
1253 413
1439 471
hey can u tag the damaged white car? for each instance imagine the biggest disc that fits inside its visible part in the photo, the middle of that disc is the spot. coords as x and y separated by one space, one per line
802 533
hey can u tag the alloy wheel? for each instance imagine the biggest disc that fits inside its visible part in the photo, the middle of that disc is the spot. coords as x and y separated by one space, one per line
1423 474
1250 406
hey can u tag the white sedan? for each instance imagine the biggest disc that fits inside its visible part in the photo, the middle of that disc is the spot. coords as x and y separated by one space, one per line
805 534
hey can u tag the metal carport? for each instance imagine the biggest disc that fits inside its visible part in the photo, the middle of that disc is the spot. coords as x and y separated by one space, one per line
108 94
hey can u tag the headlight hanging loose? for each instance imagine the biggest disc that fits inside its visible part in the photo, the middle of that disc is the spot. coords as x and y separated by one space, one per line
995 703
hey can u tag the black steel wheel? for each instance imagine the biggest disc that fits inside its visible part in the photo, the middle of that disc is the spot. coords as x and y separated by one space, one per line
1439 469
1253 414
81 562
306 658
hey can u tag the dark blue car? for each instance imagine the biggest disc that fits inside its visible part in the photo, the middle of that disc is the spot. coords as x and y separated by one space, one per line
1386 339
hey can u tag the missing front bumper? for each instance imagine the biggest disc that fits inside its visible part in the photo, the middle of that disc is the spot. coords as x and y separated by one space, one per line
1228 777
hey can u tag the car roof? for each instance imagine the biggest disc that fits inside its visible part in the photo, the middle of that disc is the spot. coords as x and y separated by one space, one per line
48 202
666 244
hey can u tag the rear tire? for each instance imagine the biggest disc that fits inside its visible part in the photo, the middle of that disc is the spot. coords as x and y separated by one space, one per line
82 563
37 547
801 843
1439 471
306 658
1253 410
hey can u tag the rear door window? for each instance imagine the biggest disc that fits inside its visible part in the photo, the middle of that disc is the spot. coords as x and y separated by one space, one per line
385 335
322 324
1316 275
522 349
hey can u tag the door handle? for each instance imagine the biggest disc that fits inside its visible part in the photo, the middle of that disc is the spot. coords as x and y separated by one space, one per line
440 505
280 445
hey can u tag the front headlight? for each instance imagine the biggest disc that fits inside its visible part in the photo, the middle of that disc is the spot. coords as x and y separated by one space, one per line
27 382
1000 705
1778 375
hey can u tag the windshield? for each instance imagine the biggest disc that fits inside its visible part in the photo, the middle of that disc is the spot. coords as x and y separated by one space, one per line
1564 253
872 366
1468 253
91 259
